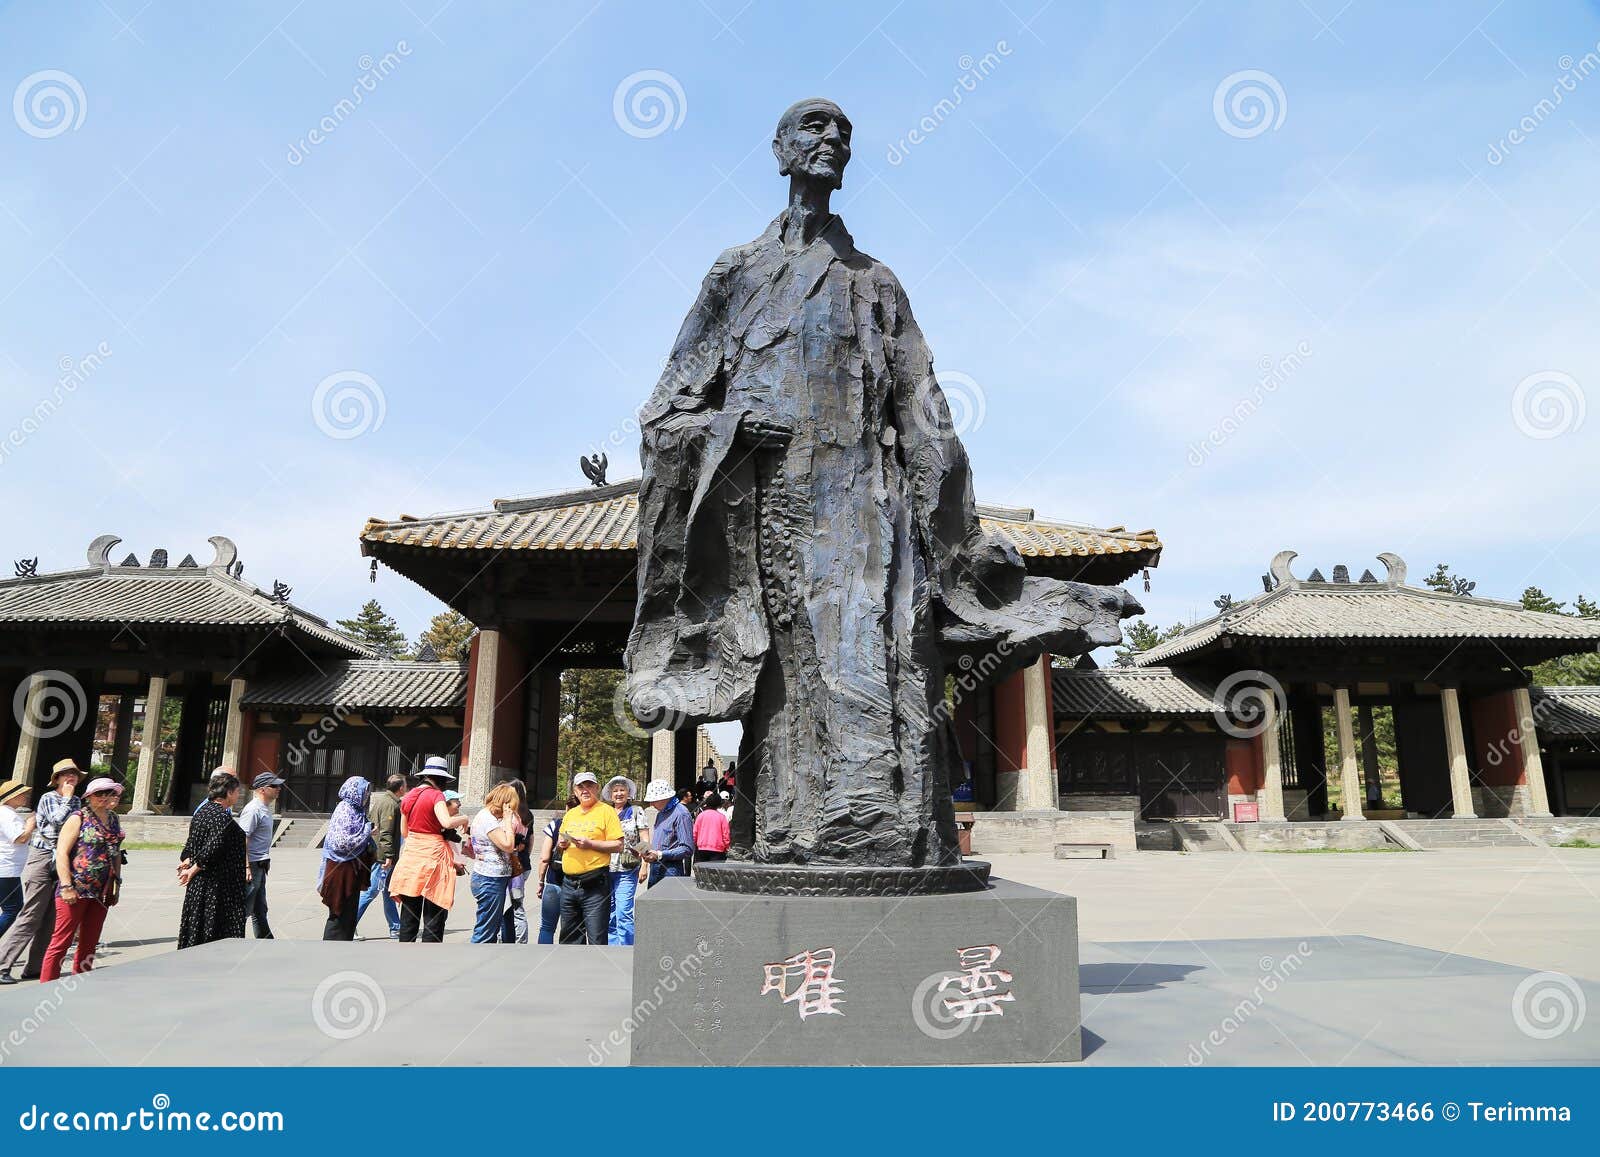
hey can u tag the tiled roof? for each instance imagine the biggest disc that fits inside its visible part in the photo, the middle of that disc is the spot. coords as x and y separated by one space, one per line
369 685
1297 610
1129 691
607 517
1566 710
183 597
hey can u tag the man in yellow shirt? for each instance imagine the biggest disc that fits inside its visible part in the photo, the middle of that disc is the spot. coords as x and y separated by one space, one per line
589 833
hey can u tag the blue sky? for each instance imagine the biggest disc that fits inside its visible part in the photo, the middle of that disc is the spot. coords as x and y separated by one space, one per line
1102 259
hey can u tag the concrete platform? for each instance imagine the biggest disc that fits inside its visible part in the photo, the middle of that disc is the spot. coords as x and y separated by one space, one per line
1319 1000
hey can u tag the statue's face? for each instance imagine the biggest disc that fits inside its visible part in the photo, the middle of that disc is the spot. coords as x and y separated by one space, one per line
815 145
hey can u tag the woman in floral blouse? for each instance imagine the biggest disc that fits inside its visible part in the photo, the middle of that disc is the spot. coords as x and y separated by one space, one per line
88 866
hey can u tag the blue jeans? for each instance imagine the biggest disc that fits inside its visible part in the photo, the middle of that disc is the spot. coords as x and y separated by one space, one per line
623 887
380 887
10 900
661 869
490 892
549 912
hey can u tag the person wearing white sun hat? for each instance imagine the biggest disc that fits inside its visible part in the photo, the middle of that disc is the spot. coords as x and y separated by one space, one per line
672 836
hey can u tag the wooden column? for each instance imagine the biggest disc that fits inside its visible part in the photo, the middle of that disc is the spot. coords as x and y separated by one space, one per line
122 742
1271 798
476 772
685 747
663 759
1455 746
233 733
1371 772
28 731
1532 763
1349 778
1036 785
149 745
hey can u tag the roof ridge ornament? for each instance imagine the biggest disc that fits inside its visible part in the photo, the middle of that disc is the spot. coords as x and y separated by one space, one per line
226 553
1396 567
100 551
1280 568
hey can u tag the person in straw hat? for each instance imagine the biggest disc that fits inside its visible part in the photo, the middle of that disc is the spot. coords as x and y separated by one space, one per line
29 934
424 878
16 830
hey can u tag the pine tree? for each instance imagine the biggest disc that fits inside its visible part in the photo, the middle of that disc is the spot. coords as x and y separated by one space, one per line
1446 583
1534 599
377 630
1140 635
449 634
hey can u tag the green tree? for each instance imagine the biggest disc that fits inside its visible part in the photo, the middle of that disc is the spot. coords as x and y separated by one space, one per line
377 630
1534 599
592 738
448 633
1140 635
1446 583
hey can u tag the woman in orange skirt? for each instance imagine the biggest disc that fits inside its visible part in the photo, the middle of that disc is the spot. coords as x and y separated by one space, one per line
424 877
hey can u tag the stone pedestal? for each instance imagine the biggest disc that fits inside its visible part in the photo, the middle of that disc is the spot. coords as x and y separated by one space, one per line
985 977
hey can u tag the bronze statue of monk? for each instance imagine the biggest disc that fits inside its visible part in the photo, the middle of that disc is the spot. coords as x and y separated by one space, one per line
809 555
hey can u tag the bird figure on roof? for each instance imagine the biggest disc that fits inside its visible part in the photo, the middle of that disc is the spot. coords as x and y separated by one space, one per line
594 467
26 567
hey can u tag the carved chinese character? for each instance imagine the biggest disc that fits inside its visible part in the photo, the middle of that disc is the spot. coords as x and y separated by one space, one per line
978 984
806 979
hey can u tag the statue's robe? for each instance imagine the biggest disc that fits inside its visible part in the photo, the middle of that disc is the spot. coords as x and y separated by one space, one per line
816 590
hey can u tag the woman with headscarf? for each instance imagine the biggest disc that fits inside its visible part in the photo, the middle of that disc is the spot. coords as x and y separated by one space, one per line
88 868
348 853
211 868
424 879
626 866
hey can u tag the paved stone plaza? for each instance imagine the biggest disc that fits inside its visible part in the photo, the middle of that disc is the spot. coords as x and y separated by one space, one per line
1374 958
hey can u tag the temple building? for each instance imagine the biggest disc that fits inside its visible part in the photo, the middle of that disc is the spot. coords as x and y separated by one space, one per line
550 583
135 636
1228 719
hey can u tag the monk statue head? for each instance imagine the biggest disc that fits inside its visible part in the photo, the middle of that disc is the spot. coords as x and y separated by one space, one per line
812 143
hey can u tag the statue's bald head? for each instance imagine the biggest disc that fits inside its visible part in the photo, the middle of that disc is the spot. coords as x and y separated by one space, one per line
813 140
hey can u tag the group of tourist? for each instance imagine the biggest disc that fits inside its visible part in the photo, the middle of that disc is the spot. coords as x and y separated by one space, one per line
577 878
60 872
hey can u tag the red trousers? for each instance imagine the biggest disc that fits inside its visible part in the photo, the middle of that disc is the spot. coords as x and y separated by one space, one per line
84 919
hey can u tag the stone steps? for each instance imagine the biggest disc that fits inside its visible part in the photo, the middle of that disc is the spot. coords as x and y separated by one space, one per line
299 831
1474 833
1203 837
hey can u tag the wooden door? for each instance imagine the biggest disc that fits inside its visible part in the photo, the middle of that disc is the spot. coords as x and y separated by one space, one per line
1424 764
1182 776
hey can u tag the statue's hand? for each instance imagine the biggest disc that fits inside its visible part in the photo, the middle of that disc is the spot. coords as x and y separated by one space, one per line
766 433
